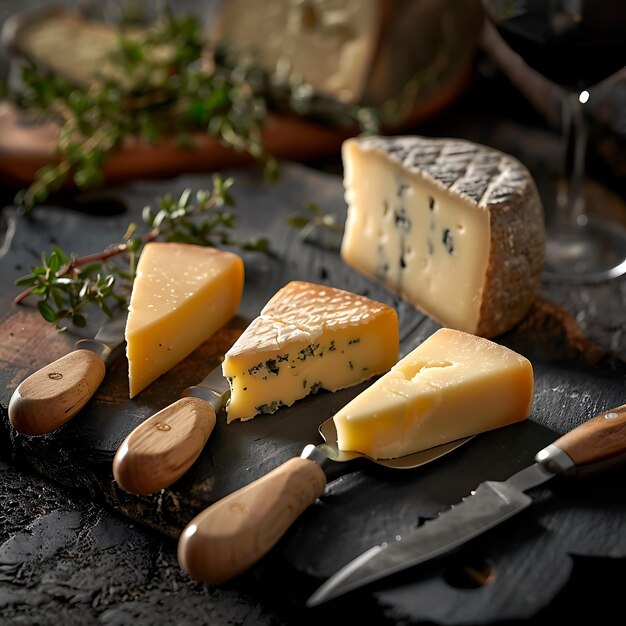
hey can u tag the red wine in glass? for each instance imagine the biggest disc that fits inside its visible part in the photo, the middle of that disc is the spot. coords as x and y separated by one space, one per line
575 44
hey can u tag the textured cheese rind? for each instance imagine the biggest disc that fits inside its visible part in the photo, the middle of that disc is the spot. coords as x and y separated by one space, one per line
492 186
182 294
308 337
453 385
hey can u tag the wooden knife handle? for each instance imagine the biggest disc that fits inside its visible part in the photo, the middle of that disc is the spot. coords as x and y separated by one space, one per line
161 449
234 533
599 440
51 396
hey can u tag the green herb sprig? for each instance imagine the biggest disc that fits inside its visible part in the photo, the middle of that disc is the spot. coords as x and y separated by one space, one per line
313 221
66 285
153 86
163 83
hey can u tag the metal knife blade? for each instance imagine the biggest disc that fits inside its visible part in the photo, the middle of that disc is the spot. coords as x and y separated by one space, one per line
52 395
213 388
163 447
598 444
259 514
108 341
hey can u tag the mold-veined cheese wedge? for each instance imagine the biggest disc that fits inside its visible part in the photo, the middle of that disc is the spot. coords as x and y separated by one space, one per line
453 385
307 337
182 294
453 227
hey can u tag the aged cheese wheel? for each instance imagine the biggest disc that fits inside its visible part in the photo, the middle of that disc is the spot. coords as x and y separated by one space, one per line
453 227
364 51
63 42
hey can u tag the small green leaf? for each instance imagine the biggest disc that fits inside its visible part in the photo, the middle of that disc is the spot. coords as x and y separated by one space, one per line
183 202
257 244
167 202
228 183
62 256
202 197
134 244
159 218
147 215
58 296
82 294
271 170
25 281
88 269
47 312
298 221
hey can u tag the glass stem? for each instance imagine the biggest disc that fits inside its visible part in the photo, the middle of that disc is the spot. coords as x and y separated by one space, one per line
571 202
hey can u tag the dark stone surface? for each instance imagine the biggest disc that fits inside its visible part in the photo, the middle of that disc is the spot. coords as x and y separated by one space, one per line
575 379
66 561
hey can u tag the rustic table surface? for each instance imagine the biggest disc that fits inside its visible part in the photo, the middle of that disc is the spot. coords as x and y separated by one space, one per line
75 549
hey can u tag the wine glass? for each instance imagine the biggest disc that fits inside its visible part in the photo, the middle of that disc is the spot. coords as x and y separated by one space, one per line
576 44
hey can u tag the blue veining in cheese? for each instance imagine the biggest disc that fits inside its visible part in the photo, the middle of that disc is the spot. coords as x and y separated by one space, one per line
457 228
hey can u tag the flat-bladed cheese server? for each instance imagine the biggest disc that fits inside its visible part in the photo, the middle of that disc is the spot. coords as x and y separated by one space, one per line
235 532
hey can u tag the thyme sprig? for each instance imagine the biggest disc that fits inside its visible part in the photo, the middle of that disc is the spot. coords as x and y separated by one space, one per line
315 222
66 285
152 86
314 218
160 83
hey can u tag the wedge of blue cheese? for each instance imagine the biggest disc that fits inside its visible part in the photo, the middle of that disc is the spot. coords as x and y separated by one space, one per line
308 337
453 227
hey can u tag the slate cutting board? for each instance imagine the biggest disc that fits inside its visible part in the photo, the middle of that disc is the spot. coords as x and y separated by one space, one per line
579 371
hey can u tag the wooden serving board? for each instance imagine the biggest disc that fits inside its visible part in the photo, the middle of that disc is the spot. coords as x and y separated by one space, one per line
27 145
579 372
28 142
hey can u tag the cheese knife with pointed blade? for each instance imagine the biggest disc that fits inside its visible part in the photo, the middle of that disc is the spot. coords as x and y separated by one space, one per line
163 447
52 395
598 444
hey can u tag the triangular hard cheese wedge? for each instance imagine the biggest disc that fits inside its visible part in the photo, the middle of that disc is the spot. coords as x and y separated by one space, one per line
182 294
452 385
308 337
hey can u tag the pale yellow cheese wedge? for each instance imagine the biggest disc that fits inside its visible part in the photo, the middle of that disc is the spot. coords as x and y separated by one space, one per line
308 337
452 385
182 294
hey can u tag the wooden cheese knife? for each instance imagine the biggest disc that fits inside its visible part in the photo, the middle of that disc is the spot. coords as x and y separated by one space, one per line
163 447
52 395
235 532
